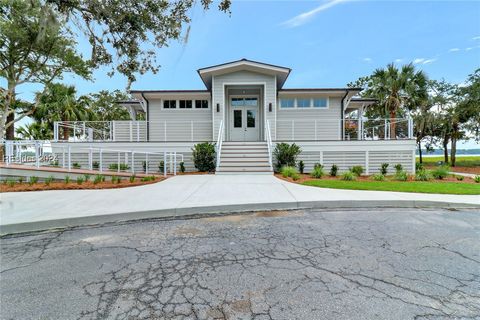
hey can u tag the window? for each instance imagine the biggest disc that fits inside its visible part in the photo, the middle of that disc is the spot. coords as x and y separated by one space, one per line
169 104
251 114
287 103
237 102
250 101
201 104
185 104
237 118
320 102
303 103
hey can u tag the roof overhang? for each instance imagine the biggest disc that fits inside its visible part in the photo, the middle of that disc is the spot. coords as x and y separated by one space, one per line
160 94
207 73
321 91
359 103
132 104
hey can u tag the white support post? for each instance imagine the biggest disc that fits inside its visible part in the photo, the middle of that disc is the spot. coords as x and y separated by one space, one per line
118 162
385 129
63 157
175 164
69 158
164 163
133 162
84 130
321 158
55 131
101 160
138 131
146 163
112 137
74 132
113 130
414 169
130 126
90 158
367 162
90 134
171 162
37 154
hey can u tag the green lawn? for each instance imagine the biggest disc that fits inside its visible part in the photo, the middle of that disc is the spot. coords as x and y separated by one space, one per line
467 161
410 186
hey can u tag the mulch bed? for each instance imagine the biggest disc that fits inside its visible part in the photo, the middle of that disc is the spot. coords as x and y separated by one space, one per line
73 185
306 177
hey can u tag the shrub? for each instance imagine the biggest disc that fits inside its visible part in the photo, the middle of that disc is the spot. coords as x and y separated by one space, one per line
144 166
295 176
349 176
286 155
460 178
301 166
98 178
10 182
398 167
476 179
288 171
384 168
32 180
114 166
114 179
48 180
54 163
80 180
95 165
86 177
67 179
20 180
148 178
422 175
161 166
317 165
419 166
333 170
378 177
204 156
131 178
401 175
317 172
76 165
357 170
182 167
440 172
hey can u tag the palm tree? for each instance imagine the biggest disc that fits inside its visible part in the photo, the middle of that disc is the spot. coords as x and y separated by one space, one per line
60 103
397 90
35 131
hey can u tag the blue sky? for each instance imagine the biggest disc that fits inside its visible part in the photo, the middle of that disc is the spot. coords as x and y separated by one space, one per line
326 43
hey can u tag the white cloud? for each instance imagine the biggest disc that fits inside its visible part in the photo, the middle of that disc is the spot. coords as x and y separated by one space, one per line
398 60
468 49
454 50
423 61
367 60
476 38
307 16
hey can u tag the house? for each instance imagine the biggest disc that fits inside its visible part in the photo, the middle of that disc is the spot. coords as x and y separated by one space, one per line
245 109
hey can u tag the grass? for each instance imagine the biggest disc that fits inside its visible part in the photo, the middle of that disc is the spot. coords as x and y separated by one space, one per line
410 186
467 161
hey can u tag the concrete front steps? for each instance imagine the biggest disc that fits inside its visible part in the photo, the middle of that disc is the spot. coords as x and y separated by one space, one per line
244 158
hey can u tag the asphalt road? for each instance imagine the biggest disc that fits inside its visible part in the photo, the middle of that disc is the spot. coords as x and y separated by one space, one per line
323 264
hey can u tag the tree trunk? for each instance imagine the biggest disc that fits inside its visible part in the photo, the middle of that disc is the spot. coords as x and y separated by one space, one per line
393 124
10 131
420 151
453 151
445 149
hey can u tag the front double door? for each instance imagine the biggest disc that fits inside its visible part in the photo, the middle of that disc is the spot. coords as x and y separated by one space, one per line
244 119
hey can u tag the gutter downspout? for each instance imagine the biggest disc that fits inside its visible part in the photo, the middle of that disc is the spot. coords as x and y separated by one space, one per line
147 118
342 121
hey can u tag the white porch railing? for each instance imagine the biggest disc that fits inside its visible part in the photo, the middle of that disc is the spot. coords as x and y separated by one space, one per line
349 129
218 146
132 131
269 143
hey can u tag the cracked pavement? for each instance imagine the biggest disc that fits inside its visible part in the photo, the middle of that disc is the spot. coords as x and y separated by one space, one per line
304 264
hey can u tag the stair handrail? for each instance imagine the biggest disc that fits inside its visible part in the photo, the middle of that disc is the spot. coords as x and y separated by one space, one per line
269 144
218 146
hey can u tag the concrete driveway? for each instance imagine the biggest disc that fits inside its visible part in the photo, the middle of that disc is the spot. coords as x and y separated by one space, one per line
306 264
190 194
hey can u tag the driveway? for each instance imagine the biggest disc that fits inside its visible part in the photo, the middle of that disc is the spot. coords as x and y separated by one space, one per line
189 194
313 264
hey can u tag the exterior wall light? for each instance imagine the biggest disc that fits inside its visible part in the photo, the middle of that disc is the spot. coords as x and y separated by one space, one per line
270 107
218 107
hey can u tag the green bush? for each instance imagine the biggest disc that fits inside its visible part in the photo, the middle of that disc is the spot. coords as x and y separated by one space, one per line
422 175
182 167
317 172
398 167
114 179
54 163
10 182
460 178
286 155
80 180
161 166
204 156
86 177
476 179
144 166
131 178
357 170
67 179
419 166
48 180
378 177
401 176
301 166
440 172
288 171
114 166
95 165
349 176
333 170
20 180
32 180
384 168
98 178
76 165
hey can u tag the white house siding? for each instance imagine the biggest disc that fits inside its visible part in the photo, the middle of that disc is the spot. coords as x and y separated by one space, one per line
179 122
243 78
302 123
80 153
130 130
368 154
